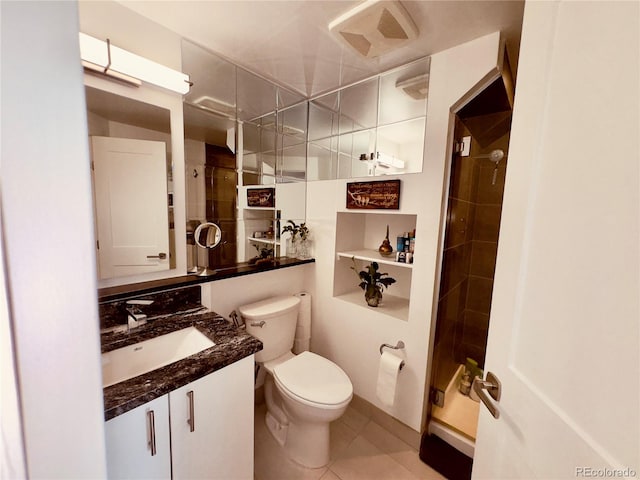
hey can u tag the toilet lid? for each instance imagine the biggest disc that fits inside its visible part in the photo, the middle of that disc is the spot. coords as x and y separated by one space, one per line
315 379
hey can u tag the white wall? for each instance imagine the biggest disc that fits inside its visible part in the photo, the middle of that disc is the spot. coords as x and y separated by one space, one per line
351 335
48 233
223 296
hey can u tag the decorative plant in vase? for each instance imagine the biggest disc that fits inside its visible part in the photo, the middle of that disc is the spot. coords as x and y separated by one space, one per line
299 246
372 282
265 257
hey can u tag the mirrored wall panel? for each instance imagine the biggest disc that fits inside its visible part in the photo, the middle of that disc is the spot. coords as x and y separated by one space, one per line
371 128
245 140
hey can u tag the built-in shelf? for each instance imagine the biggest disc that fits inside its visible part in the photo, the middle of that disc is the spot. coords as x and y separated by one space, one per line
358 235
391 305
260 208
373 256
264 240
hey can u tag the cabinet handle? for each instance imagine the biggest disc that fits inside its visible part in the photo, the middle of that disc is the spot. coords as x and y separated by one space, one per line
152 432
192 414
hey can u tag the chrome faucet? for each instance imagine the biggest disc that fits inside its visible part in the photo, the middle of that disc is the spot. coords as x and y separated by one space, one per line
135 316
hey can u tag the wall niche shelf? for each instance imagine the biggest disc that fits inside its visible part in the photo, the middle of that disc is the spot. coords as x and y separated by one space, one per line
391 305
267 209
358 236
373 256
264 240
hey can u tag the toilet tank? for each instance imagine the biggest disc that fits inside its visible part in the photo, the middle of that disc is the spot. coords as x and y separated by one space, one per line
279 315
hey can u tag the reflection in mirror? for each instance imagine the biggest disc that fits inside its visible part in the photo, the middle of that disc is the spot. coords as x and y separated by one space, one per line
256 96
210 155
359 106
238 141
371 128
132 184
207 235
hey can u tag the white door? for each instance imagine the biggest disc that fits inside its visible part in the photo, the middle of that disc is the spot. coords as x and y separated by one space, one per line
138 443
131 206
212 425
564 334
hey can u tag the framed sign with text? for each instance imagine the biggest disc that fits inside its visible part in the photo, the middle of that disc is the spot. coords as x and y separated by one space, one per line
381 194
261 197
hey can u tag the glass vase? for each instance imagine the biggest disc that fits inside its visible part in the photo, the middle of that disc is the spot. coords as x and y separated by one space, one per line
303 249
292 247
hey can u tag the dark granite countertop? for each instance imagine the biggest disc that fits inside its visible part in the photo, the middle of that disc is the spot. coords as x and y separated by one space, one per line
106 294
231 344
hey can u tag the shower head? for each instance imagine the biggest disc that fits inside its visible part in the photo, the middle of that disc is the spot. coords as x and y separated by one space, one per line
496 155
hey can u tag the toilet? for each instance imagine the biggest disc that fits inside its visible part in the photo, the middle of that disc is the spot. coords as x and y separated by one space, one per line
304 393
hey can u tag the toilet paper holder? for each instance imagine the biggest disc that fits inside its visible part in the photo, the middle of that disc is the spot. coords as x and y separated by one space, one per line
397 346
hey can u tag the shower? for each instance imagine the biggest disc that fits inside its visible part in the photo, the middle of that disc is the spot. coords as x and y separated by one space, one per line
467 264
495 156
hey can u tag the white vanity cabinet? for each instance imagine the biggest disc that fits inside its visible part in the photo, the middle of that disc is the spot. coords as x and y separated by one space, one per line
129 439
212 425
202 430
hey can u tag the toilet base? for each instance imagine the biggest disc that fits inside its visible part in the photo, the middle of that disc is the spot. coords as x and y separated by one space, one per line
308 444
277 430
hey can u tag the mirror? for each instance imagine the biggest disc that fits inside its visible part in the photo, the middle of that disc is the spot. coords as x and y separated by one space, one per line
371 128
131 151
244 136
233 131
208 235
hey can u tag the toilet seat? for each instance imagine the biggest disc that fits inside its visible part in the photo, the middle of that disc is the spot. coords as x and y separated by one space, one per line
313 380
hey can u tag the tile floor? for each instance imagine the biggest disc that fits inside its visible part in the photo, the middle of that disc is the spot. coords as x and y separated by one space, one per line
360 450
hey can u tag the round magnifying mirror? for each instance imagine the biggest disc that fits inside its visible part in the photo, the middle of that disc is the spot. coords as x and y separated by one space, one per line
207 235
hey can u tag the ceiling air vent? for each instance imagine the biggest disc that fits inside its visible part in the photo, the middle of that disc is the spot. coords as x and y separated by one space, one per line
375 27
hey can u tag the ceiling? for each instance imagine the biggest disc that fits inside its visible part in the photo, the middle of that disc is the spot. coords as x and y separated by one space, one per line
289 41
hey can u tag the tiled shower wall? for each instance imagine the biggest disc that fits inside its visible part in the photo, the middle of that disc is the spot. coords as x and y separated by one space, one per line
469 258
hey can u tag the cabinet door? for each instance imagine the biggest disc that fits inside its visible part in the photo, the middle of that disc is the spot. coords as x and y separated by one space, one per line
212 425
130 438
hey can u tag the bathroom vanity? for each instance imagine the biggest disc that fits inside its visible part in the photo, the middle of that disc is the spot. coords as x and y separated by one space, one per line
192 418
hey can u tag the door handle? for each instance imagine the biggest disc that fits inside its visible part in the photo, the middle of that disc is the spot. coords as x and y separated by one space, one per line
161 256
492 386
152 432
191 421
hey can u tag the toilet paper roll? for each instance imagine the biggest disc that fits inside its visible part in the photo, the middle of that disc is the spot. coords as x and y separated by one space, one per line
388 378
303 327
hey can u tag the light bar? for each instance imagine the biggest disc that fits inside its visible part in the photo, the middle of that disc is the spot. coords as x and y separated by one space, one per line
118 63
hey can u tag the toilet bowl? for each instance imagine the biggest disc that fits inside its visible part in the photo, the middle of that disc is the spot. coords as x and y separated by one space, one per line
304 393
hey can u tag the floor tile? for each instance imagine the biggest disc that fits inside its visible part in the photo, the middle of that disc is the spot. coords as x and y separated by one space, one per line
341 438
365 461
361 449
329 475
354 419
401 452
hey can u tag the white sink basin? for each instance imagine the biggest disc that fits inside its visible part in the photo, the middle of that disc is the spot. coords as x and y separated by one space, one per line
143 357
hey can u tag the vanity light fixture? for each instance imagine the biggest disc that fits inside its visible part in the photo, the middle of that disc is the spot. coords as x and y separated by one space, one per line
103 57
374 27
